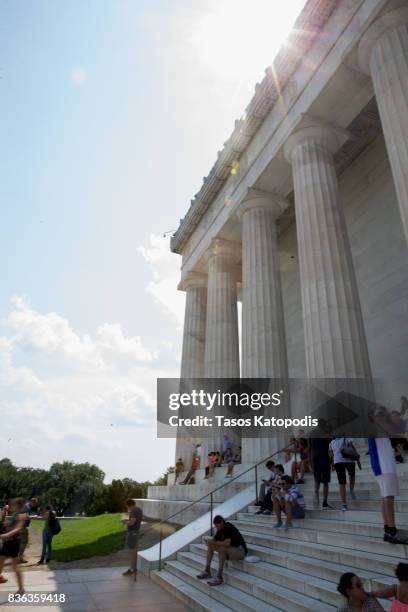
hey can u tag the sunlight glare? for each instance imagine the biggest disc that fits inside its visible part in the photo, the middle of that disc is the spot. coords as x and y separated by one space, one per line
238 39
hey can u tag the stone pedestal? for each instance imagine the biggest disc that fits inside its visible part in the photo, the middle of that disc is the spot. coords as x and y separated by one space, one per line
383 53
263 330
334 332
192 360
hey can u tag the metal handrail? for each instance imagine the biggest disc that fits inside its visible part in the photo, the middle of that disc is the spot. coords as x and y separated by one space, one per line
211 495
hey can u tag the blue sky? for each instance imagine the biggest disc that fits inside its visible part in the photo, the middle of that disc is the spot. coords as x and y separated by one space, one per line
112 112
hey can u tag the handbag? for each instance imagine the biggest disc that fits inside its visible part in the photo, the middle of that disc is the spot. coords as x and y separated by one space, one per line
349 452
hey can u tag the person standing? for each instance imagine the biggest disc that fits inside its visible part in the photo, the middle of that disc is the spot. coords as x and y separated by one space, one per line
10 539
383 464
51 528
320 460
178 469
342 464
28 509
132 538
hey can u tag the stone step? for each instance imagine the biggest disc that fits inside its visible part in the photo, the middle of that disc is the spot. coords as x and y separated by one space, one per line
379 563
227 595
192 597
358 504
316 587
360 516
308 565
343 540
324 524
262 598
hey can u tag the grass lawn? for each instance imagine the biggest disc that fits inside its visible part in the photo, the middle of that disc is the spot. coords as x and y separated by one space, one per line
87 537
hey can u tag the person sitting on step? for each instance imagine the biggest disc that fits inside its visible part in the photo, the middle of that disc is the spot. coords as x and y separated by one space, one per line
271 488
266 482
351 587
399 591
228 543
290 501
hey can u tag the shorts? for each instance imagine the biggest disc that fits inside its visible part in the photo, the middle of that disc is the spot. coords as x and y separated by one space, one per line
10 548
132 540
235 553
388 484
322 472
341 468
297 511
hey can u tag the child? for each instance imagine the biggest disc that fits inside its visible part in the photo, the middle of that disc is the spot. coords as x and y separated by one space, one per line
399 591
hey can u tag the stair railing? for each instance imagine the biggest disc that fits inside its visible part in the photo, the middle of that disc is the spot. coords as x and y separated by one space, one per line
210 494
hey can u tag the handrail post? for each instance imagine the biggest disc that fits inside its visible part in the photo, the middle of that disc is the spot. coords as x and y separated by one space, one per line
256 483
211 513
160 549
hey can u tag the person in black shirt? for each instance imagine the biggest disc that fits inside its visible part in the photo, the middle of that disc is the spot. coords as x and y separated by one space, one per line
228 543
321 465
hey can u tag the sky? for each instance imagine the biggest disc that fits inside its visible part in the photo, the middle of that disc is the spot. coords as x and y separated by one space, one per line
112 111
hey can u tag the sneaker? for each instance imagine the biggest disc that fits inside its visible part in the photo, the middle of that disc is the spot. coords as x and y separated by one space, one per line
3 579
267 513
352 495
259 512
300 481
215 581
129 572
326 505
344 507
40 562
23 561
204 575
288 526
393 539
277 526
228 476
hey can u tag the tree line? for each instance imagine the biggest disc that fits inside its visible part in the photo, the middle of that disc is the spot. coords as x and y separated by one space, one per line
70 488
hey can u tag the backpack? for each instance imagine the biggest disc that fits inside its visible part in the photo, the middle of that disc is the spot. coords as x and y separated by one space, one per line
55 528
348 451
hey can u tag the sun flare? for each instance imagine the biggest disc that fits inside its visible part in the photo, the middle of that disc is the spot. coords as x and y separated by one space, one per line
238 39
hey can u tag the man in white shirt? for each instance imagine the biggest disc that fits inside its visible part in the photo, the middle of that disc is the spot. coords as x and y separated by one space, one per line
343 465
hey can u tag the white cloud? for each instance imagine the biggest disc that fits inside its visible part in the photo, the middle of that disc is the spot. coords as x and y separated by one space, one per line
165 267
93 390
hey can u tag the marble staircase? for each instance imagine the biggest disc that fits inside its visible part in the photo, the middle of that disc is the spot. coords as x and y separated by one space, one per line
298 569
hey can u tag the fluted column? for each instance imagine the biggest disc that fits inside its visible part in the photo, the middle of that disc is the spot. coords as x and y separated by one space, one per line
222 343
263 330
333 324
383 53
192 360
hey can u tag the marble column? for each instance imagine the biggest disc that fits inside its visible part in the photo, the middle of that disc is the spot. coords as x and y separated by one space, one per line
192 360
222 342
383 53
222 345
334 331
263 329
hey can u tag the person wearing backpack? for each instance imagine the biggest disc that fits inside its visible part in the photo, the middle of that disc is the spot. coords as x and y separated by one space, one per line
51 528
343 456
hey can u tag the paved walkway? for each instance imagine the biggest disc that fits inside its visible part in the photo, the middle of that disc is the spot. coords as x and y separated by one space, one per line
93 589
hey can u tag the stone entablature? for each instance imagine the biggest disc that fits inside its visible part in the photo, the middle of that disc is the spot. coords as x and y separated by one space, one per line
340 31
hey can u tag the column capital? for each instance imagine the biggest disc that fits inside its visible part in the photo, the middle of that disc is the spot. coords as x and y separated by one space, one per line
258 199
192 279
312 129
221 246
376 30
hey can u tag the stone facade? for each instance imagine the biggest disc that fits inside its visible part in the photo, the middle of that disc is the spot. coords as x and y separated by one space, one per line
314 224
